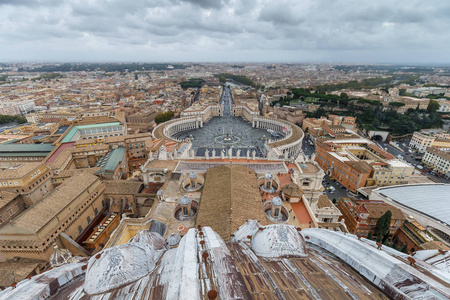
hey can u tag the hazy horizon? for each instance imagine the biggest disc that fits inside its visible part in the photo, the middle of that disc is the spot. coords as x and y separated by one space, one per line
228 31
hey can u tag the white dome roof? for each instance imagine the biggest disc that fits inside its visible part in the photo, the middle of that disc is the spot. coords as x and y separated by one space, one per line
193 175
173 239
120 265
185 200
279 241
268 176
276 201
160 192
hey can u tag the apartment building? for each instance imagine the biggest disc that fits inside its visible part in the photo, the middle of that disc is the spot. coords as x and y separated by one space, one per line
356 163
32 181
343 166
70 209
437 160
361 216
423 139
11 205
392 172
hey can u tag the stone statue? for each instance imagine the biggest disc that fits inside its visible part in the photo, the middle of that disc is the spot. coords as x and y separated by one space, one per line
207 153
230 152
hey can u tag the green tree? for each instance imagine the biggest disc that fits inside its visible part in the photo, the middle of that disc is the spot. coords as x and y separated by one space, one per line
383 225
343 96
159 118
404 249
369 236
433 106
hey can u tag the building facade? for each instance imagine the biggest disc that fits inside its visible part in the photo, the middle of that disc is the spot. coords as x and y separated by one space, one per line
361 216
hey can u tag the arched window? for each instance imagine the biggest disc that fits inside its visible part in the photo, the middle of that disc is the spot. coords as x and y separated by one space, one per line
276 213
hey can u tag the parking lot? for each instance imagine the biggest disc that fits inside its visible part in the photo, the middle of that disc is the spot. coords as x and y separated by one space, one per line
335 191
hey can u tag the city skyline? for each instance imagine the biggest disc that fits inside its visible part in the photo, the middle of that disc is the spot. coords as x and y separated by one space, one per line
407 32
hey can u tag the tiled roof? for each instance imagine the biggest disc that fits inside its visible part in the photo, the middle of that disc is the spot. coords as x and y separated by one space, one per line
230 197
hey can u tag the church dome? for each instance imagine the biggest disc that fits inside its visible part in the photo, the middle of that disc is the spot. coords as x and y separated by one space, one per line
120 265
268 176
185 200
193 175
279 241
276 201
292 190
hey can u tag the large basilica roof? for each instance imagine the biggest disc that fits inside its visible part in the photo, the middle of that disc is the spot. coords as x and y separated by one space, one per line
260 262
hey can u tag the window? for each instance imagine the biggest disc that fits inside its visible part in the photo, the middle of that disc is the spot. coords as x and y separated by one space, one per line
39 171
96 211
80 229
276 213
10 211
88 219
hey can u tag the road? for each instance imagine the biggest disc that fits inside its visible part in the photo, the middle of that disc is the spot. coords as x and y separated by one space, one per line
409 158
307 148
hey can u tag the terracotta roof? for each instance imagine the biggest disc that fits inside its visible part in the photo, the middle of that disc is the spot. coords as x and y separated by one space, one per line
17 270
6 197
230 197
122 187
74 172
434 245
292 190
89 148
38 215
324 201
360 166
376 210
19 172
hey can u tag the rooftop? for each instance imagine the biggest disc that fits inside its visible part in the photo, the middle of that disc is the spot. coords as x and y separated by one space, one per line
230 197
6 197
287 268
19 171
38 215
123 187
69 136
111 160
430 199
19 149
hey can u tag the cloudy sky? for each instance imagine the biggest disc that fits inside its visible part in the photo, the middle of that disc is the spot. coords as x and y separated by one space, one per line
353 31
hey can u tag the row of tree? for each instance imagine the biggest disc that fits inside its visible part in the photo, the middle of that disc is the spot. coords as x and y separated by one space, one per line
8 119
242 79
192 83
370 114
163 117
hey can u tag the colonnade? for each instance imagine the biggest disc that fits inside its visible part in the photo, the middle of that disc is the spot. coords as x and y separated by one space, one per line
182 125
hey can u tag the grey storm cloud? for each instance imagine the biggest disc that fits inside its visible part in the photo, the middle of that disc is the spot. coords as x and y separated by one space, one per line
225 30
